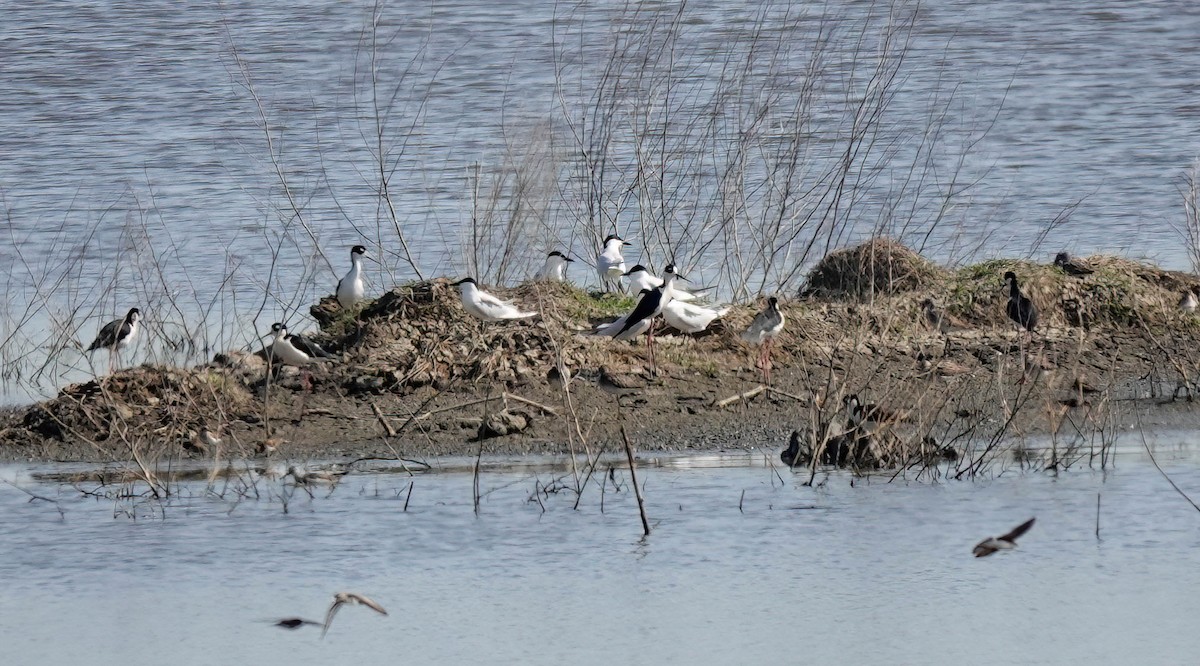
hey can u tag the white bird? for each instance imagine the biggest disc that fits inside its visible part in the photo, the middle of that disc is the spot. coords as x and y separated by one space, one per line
352 599
295 350
1188 302
610 264
117 335
555 268
351 289
1005 542
640 278
689 318
762 331
482 305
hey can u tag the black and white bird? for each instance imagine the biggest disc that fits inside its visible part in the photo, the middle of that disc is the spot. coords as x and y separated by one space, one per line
1071 266
869 417
118 335
641 278
482 305
351 289
555 268
294 349
649 306
1004 542
610 264
762 331
349 599
1020 309
616 329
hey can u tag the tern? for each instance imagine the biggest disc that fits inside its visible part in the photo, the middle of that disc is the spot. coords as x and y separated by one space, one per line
351 288
1020 309
348 598
762 331
689 318
117 335
610 264
1005 542
1072 267
555 268
640 278
482 305
1188 302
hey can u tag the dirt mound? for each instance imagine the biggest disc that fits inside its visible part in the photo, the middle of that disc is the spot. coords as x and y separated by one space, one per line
879 266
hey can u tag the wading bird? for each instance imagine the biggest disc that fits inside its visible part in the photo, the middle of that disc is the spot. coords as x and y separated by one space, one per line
482 305
868 417
117 336
649 306
1005 542
610 264
762 331
348 598
1072 266
294 349
555 268
1020 309
351 289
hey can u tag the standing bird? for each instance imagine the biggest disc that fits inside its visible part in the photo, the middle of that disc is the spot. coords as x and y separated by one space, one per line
616 329
1071 266
869 417
482 305
555 268
766 325
351 288
295 349
640 278
348 598
1188 302
649 306
610 264
1020 309
117 335
1006 542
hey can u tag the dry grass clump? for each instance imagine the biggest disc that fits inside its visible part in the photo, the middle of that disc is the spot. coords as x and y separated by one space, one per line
879 266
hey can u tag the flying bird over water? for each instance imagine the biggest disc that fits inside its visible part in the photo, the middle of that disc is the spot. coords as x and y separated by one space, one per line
555 268
118 335
294 623
482 305
610 264
351 289
352 599
1005 542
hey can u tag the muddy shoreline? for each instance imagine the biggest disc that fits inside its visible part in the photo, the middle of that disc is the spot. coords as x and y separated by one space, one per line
417 378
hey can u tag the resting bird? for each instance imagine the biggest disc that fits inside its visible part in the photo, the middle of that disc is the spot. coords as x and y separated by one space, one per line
610 264
348 598
1005 542
117 335
1188 302
555 268
640 278
351 289
1020 309
689 318
940 320
762 331
1071 266
482 305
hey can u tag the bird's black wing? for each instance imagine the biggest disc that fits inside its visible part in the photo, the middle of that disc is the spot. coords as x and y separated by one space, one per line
307 346
1018 531
108 335
1029 314
646 307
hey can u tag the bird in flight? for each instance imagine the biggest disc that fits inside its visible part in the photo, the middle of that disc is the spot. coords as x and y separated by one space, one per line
352 599
1004 542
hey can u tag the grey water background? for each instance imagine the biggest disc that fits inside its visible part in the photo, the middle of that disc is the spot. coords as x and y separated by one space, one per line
870 572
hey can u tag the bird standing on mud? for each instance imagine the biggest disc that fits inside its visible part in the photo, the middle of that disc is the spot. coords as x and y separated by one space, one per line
1020 309
117 335
649 306
351 289
1071 266
610 264
482 305
555 268
762 331
294 349
1005 542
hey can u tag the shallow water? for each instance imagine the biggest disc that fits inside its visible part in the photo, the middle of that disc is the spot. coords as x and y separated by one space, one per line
865 573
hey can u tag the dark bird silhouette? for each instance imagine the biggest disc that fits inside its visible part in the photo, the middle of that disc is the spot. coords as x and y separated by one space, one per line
1020 309
1005 542
1071 266
294 623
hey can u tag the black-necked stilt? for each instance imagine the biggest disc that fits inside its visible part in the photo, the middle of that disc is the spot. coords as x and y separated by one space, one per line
352 599
649 306
351 289
690 318
1188 302
1006 542
482 305
295 349
869 417
762 331
1020 309
555 268
1071 266
118 335
616 328
294 623
610 264
640 278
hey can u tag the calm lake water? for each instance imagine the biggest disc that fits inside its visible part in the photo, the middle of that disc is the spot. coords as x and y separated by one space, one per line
873 572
